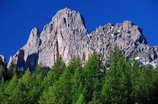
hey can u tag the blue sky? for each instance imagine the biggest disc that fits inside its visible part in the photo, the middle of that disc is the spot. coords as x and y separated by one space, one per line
18 17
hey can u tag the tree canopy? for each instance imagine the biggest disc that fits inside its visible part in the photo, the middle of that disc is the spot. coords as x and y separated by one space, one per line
91 82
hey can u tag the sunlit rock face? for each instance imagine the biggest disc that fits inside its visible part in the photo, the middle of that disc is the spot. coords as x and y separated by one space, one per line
66 36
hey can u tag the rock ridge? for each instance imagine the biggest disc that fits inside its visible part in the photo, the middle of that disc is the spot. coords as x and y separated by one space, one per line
66 36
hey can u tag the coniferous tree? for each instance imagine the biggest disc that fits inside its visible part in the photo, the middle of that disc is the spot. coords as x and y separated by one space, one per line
121 81
52 76
117 86
91 75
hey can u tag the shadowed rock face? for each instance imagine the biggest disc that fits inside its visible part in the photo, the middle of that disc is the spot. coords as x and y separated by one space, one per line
66 36
2 59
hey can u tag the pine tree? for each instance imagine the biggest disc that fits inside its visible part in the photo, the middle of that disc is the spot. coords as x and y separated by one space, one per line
91 74
117 86
10 92
52 76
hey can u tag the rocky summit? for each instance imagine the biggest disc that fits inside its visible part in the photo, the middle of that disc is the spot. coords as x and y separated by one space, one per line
66 36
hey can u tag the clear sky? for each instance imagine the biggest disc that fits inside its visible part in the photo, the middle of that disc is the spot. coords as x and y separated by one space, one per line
18 17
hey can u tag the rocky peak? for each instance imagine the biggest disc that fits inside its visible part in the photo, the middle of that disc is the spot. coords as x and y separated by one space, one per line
61 36
132 31
70 19
66 36
126 25
34 38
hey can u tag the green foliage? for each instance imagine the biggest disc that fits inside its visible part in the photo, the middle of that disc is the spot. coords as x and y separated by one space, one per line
52 77
3 70
117 82
81 99
117 85
91 76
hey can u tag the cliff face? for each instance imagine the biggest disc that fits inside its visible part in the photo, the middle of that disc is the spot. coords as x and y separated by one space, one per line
66 36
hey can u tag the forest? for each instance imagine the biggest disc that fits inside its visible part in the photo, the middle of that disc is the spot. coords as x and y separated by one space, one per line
117 82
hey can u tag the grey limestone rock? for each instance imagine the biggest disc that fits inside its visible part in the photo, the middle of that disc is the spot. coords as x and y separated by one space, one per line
66 36
2 58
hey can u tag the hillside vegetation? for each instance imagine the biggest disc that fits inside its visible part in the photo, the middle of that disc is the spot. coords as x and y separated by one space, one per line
117 82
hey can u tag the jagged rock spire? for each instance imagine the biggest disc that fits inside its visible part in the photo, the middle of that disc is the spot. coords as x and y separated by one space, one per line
34 38
67 18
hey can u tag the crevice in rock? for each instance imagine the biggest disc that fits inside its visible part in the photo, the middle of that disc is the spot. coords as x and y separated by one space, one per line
57 50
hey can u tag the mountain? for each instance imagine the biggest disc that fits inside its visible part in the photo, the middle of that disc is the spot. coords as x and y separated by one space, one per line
66 36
